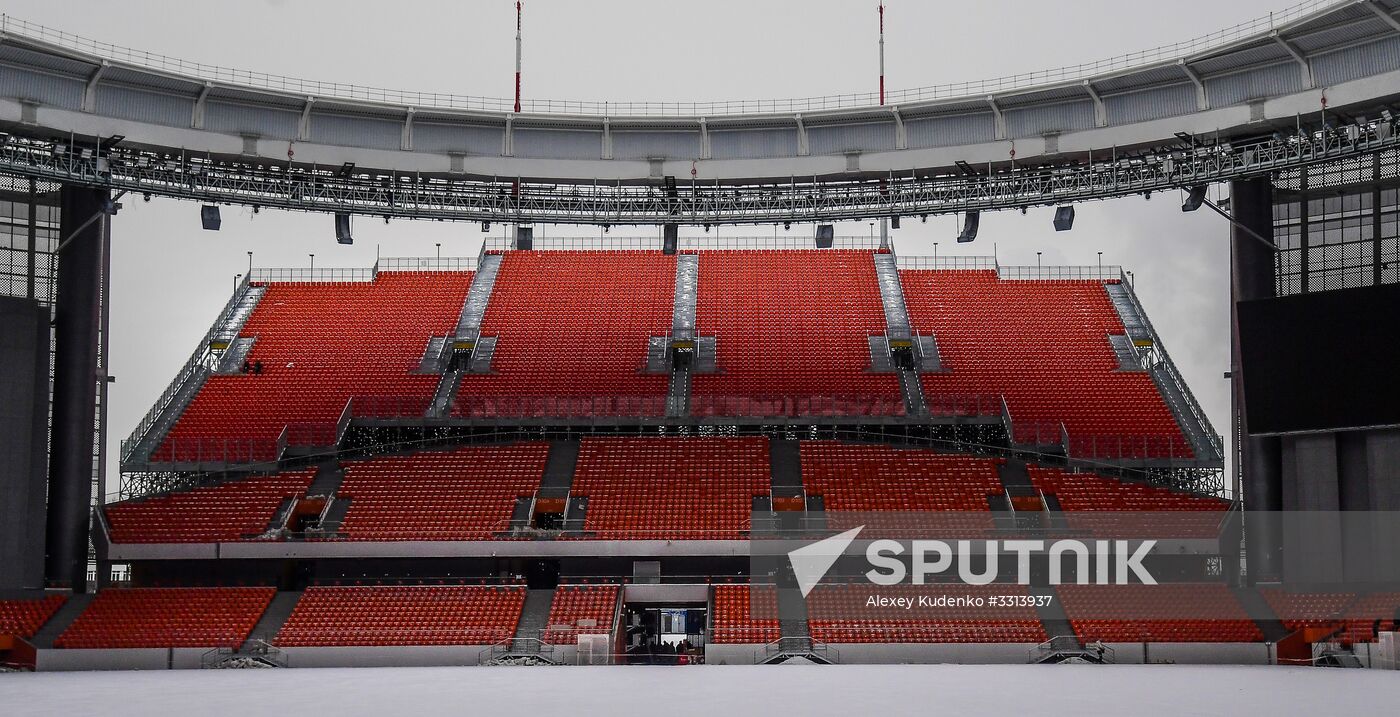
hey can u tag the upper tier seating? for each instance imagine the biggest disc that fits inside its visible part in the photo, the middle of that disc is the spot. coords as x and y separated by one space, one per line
745 614
861 477
463 494
24 617
1169 612
571 334
234 510
321 344
791 330
841 613
671 488
1043 345
1088 493
168 617
575 603
413 615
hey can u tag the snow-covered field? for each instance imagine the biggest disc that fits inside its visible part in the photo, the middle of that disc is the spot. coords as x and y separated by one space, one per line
718 691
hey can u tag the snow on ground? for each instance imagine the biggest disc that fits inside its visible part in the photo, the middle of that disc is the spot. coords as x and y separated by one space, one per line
714 690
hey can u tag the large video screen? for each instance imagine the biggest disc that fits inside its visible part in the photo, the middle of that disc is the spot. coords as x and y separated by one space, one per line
1321 361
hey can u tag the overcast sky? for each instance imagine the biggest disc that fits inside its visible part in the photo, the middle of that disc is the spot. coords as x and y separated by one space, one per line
170 278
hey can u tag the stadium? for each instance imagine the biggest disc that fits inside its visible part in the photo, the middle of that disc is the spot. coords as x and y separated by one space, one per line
672 390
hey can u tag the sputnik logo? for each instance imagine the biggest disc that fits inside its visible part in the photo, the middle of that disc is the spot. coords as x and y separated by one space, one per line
810 562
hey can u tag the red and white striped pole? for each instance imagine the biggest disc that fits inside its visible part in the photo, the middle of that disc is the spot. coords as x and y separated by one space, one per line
518 5
882 53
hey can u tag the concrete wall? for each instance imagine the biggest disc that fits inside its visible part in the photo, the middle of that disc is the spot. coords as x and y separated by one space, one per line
1192 653
157 658
731 654
427 656
24 414
931 653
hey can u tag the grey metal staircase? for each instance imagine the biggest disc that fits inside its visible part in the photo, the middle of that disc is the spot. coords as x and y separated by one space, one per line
468 333
273 618
72 608
534 615
1206 445
206 359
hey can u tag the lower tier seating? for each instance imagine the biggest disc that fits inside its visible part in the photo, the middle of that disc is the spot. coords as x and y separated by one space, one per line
1182 612
1299 610
23 618
843 613
863 478
403 615
168 617
574 607
745 614
671 488
236 510
463 494
1369 613
1192 515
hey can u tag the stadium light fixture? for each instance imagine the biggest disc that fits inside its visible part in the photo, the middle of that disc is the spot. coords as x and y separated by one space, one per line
894 222
969 230
342 229
1064 218
1194 198
209 217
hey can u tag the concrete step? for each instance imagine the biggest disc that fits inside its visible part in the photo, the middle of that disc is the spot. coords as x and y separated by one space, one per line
43 639
559 468
273 618
328 478
785 467
1263 615
1052 616
534 616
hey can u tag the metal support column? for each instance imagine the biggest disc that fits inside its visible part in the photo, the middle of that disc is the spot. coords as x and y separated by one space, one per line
77 323
1252 277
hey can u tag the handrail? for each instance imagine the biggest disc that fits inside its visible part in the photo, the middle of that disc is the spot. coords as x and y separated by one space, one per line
200 73
1197 413
191 366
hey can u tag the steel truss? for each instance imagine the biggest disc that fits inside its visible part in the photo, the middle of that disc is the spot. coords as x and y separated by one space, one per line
515 200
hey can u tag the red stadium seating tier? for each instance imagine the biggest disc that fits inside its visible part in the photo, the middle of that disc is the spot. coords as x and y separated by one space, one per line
24 617
1369 612
1299 610
670 488
462 494
575 603
842 613
1088 493
1043 345
320 345
861 478
736 608
791 332
1176 612
168 617
236 510
571 332
403 615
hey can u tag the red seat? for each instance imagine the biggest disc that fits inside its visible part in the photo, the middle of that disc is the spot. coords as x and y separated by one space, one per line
24 617
168 617
403 615
574 604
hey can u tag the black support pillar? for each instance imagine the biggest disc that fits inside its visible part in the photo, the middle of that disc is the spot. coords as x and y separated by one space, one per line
1252 277
84 231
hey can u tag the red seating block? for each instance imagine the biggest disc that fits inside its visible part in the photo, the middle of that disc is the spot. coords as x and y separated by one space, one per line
791 330
321 344
24 617
1086 493
571 334
860 477
462 494
735 609
412 615
1299 610
1177 612
841 613
575 603
1043 345
671 488
168 617
229 511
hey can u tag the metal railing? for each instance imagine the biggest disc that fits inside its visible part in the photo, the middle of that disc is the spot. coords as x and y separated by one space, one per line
426 263
268 275
1170 372
1107 272
314 188
199 73
978 263
196 363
